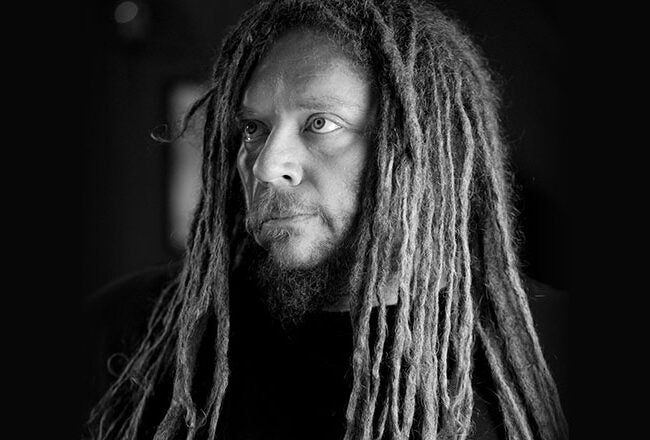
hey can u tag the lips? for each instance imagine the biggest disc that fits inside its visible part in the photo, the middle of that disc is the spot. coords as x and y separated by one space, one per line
286 218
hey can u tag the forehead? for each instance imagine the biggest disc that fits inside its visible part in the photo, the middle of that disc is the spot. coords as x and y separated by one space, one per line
309 65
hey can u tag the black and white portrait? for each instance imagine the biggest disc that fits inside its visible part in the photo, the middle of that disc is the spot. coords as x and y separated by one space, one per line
332 219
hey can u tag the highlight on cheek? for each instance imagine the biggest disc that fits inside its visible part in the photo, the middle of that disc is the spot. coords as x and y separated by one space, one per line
245 163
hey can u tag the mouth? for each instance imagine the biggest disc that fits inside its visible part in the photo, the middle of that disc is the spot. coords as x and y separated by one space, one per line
279 220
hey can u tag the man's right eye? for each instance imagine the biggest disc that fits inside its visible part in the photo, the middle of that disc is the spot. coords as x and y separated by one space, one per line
251 131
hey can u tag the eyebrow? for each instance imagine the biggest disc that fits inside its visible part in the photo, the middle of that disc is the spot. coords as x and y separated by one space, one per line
316 103
328 101
244 113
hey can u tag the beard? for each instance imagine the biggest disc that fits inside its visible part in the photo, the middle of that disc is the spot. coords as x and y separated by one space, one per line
293 294
292 291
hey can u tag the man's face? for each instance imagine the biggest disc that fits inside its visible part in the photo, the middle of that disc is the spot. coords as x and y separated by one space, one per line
305 116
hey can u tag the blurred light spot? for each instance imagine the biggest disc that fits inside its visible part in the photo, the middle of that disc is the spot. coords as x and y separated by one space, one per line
125 12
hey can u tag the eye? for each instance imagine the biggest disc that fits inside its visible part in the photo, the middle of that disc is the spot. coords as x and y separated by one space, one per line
322 125
251 130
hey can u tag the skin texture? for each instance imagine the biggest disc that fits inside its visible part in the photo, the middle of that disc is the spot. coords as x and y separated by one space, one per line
305 117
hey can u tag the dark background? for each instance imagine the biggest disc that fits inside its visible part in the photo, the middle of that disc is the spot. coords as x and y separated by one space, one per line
131 67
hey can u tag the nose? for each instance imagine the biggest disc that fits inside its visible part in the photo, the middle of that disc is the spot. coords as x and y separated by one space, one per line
278 162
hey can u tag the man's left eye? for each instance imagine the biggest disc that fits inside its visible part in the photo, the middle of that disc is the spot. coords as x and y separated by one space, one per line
322 125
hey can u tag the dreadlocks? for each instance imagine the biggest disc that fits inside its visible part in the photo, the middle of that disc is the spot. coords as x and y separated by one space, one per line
438 220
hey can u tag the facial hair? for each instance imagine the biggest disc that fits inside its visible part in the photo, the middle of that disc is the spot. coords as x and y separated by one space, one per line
293 294
270 204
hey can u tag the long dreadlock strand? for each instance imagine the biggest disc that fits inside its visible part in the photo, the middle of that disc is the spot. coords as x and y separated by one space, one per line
427 297
360 314
512 310
547 409
401 74
387 162
428 392
191 322
387 188
512 406
421 265
191 282
216 168
360 303
221 304
421 292
462 407
450 234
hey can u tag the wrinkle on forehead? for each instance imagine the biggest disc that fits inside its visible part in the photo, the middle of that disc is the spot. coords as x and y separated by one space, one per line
300 67
319 52
302 43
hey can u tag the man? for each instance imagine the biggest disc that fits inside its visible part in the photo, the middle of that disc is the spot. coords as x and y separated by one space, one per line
351 271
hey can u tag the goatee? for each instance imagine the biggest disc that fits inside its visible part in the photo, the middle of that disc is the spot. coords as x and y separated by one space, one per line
293 294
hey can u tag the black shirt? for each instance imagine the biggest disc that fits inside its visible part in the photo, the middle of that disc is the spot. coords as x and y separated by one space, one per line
284 383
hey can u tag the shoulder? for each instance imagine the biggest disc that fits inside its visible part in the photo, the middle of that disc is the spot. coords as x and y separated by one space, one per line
120 309
130 294
113 322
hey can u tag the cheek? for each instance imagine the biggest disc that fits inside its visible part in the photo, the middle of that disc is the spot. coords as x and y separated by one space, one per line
352 168
245 163
341 180
354 178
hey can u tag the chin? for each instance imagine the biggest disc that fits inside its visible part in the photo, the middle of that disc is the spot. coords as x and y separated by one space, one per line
294 253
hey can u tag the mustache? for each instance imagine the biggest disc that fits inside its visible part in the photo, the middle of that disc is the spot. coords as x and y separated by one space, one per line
271 204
